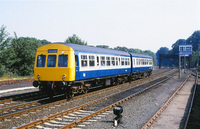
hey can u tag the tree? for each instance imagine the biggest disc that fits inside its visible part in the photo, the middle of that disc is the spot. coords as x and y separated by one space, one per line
150 53
103 46
44 41
4 42
163 50
4 38
175 46
76 40
121 48
136 51
194 39
20 55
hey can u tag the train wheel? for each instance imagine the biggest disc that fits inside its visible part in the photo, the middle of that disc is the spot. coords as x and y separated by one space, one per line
123 80
49 89
69 95
85 89
80 89
116 82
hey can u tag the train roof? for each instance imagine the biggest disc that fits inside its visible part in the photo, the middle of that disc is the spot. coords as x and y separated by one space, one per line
83 48
140 55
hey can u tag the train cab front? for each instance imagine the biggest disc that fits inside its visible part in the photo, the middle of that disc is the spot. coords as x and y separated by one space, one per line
54 66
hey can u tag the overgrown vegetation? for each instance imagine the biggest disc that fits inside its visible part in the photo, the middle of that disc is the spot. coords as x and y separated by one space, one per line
17 54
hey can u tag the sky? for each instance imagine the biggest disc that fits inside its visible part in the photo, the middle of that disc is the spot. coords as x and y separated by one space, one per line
142 24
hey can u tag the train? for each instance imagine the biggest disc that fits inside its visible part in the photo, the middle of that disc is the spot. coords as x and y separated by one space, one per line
74 69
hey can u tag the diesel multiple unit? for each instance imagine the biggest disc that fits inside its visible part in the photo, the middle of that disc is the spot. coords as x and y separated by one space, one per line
71 68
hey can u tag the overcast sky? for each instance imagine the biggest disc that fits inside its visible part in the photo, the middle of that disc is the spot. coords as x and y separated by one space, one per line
142 24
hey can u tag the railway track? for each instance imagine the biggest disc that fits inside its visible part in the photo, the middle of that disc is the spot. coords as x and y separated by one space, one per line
33 106
86 111
11 98
8 82
15 110
30 96
158 113
192 100
15 97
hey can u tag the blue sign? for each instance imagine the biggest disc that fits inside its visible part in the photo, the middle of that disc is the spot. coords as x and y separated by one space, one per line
52 51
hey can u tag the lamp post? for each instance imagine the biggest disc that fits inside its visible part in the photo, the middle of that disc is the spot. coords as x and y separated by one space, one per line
117 111
179 68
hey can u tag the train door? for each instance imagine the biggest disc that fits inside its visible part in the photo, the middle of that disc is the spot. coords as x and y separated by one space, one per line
98 61
76 67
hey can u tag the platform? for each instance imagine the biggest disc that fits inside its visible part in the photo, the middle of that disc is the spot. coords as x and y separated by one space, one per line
173 117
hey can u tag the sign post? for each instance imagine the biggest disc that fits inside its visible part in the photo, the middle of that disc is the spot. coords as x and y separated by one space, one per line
179 67
186 51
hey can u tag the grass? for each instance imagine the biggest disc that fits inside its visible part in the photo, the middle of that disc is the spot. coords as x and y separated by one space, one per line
11 77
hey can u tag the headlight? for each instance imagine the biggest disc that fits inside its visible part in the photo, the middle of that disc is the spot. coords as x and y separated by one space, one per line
38 76
64 76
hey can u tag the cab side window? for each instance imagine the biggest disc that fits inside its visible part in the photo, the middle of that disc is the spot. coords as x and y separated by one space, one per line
76 60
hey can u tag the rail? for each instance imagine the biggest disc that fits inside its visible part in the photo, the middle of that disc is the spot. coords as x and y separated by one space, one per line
38 122
156 115
6 82
192 100
10 115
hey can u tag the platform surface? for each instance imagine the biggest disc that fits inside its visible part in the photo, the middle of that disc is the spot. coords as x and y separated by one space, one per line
174 115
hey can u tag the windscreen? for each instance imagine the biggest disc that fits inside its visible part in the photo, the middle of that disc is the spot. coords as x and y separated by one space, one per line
51 61
41 60
63 61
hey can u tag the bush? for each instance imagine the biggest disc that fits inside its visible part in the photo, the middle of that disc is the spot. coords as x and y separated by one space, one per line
3 70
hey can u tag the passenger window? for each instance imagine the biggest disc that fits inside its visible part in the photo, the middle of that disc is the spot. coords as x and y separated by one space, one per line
126 61
122 61
113 61
63 61
103 62
91 60
137 60
150 62
108 61
51 61
116 61
84 60
41 60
